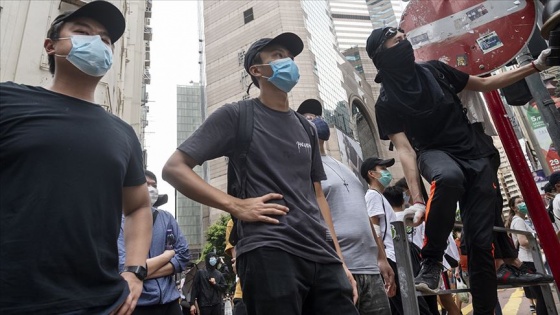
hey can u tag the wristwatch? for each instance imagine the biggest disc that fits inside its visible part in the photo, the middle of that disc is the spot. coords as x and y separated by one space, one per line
139 271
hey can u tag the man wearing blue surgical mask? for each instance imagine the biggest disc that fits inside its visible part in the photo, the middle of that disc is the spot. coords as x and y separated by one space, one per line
288 258
60 237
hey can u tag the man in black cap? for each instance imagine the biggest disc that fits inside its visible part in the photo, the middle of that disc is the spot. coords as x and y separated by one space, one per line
285 255
69 171
363 251
419 111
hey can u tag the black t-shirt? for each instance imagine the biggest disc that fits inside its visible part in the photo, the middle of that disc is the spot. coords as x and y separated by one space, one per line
64 162
435 126
281 159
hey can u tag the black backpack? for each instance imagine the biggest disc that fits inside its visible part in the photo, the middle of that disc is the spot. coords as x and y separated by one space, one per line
237 172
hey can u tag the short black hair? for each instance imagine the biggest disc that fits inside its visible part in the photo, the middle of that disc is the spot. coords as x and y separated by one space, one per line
150 175
548 188
401 183
53 34
394 195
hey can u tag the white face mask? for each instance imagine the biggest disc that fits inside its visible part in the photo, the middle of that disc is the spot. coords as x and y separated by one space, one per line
153 194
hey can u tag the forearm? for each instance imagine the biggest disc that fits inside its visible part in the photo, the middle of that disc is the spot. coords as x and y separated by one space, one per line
137 236
164 271
500 80
156 263
407 157
188 183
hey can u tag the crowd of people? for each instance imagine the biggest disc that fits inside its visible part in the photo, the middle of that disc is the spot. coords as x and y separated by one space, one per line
81 232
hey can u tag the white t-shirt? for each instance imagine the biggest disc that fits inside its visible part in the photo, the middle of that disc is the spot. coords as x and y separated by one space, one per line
556 207
524 252
378 206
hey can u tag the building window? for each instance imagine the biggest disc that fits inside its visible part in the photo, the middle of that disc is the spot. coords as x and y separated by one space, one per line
248 15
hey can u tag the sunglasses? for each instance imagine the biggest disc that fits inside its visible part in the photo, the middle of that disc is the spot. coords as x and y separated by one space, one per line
390 33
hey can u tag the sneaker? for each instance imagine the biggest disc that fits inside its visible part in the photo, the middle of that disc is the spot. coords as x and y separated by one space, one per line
532 308
538 277
428 278
511 275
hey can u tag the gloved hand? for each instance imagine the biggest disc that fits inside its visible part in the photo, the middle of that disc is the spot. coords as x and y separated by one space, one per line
540 62
417 212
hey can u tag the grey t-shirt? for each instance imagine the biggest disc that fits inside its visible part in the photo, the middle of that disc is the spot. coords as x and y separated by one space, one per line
279 161
350 217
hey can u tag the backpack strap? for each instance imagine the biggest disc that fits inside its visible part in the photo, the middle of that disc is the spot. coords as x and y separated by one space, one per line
237 175
154 216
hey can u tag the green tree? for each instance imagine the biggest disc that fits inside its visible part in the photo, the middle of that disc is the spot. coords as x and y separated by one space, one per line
216 237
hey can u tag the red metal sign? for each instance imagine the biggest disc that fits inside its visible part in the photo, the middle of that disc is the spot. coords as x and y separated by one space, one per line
474 36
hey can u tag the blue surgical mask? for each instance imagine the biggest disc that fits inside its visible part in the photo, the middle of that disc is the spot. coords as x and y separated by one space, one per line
89 54
212 261
386 178
523 208
406 197
285 74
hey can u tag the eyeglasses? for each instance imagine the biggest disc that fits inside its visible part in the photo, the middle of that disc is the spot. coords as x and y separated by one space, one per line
390 33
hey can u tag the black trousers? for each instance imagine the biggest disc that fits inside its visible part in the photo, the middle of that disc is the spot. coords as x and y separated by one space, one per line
239 307
278 283
535 292
396 301
474 184
171 308
211 310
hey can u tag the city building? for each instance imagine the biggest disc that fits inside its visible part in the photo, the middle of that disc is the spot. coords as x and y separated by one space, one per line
230 27
23 28
353 20
193 217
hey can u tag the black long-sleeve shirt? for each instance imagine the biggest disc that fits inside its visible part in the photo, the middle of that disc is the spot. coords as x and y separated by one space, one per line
206 293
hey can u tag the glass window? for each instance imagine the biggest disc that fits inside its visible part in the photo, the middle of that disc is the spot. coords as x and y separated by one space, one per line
248 15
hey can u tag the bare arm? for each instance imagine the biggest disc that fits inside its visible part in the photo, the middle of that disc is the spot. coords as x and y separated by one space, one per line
407 156
178 171
326 212
138 224
166 270
158 262
137 238
499 81
384 268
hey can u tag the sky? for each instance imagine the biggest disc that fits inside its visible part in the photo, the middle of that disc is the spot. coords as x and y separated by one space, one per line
174 61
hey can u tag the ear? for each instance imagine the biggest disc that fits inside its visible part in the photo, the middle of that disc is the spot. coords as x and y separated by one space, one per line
49 46
255 71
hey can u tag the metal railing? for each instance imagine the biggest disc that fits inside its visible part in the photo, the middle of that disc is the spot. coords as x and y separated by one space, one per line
406 276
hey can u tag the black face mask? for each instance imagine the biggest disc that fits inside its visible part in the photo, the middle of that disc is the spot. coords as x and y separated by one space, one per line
395 61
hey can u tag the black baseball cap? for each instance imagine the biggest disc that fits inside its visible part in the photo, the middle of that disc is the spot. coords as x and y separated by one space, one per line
370 164
290 41
554 178
311 106
375 39
104 12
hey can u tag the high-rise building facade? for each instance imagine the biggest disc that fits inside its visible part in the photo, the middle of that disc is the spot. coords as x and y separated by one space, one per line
230 27
192 216
122 91
353 20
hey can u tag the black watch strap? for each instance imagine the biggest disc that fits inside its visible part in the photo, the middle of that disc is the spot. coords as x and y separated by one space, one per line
139 271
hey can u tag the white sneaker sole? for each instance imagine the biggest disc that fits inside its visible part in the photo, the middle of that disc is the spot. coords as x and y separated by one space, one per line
422 287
